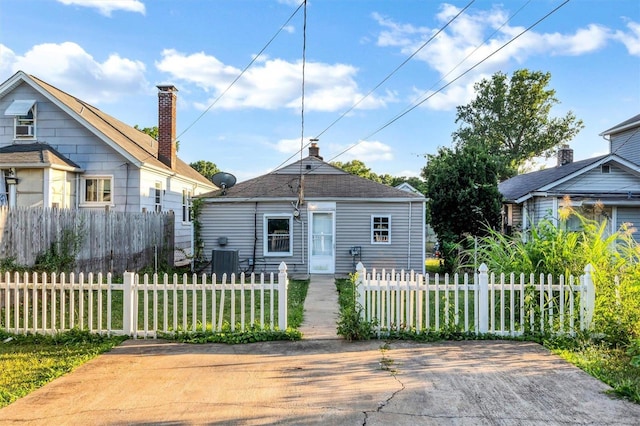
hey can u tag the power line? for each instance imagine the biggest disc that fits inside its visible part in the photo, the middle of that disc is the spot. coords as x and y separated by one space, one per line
408 110
255 58
384 80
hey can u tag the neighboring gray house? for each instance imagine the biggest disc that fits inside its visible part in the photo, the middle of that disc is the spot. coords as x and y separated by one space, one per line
57 151
316 218
611 181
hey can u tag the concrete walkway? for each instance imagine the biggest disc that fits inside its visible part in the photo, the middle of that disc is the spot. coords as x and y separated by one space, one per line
320 309
324 380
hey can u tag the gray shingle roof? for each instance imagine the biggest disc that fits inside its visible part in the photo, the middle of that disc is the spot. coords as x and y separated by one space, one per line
34 154
521 185
622 126
316 185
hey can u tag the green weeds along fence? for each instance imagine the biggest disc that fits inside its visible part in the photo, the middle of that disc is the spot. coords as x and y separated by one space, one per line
484 303
142 306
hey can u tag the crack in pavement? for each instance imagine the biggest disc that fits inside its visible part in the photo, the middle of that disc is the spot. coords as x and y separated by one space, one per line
385 364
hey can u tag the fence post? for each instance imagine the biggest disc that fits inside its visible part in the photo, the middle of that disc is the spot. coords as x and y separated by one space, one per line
283 284
359 289
483 299
128 303
587 298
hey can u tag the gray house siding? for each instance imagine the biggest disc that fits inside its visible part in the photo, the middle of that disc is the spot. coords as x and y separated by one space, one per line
543 208
242 224
353 228
629 215
627 145
595 181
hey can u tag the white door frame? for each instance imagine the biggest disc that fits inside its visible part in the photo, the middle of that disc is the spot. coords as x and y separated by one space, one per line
322 264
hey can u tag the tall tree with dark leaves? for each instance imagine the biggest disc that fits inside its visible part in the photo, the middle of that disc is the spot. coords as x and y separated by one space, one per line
511 118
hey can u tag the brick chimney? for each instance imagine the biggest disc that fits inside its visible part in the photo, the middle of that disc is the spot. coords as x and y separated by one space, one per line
314 149
565 155
167 124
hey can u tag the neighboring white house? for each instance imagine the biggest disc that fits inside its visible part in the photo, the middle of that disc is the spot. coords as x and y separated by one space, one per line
611 182
57 151
316 218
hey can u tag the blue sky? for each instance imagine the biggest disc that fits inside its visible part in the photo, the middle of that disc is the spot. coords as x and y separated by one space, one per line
112 53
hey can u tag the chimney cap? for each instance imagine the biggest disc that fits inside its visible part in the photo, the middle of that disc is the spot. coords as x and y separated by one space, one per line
167 88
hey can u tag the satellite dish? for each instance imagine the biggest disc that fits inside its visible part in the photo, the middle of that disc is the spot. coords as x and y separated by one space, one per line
223 180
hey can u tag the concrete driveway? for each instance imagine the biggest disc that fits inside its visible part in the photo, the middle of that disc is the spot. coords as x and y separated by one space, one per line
329 382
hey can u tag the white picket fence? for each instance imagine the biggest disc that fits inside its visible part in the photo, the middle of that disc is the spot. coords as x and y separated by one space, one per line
484 303
142 306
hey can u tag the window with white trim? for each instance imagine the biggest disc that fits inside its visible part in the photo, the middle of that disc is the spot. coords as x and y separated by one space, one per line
278 235
380 229
157 197
24 118
97 190
186 205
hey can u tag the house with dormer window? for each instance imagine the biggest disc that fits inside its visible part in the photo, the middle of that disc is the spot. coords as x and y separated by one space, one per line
57 151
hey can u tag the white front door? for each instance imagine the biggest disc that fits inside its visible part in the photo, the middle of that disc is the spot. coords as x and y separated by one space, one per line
322 242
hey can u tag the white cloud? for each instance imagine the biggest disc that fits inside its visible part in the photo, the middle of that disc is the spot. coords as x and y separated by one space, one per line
270 83
69 67
630 39
365 151
105 7
461 45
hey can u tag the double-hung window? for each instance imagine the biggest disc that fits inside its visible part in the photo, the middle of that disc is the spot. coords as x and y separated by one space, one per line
97 190
186 205
157 197
380 229
278 238
24 118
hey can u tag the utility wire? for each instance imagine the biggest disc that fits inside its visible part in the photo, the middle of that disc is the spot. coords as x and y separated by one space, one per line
255 58
384 80
408 110
436 92
304 61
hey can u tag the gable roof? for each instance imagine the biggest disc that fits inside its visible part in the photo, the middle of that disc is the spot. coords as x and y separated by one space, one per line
321 181
519 186
621 127
35 155
138 147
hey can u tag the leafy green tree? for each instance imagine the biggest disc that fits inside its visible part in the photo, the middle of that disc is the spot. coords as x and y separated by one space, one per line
358 168
511 118
205 168
462 192
153 132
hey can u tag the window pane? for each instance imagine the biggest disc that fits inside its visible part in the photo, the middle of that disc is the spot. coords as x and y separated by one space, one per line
278 235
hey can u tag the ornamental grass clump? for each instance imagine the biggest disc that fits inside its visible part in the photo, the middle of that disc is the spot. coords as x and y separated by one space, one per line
552 248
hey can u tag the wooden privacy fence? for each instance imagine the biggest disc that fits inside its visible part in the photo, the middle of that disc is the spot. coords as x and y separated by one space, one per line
108 241
484 303
142 306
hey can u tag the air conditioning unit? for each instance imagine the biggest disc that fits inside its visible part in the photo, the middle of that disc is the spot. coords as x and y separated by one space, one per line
24 130
224 262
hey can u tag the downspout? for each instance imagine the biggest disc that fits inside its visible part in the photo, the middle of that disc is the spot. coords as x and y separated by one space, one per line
255 236
78 191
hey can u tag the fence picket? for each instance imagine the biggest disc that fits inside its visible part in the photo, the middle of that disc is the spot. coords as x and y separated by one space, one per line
404 301
52 303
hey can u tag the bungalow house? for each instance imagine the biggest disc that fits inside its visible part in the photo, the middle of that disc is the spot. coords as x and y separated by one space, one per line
611 182
316 218
57 151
